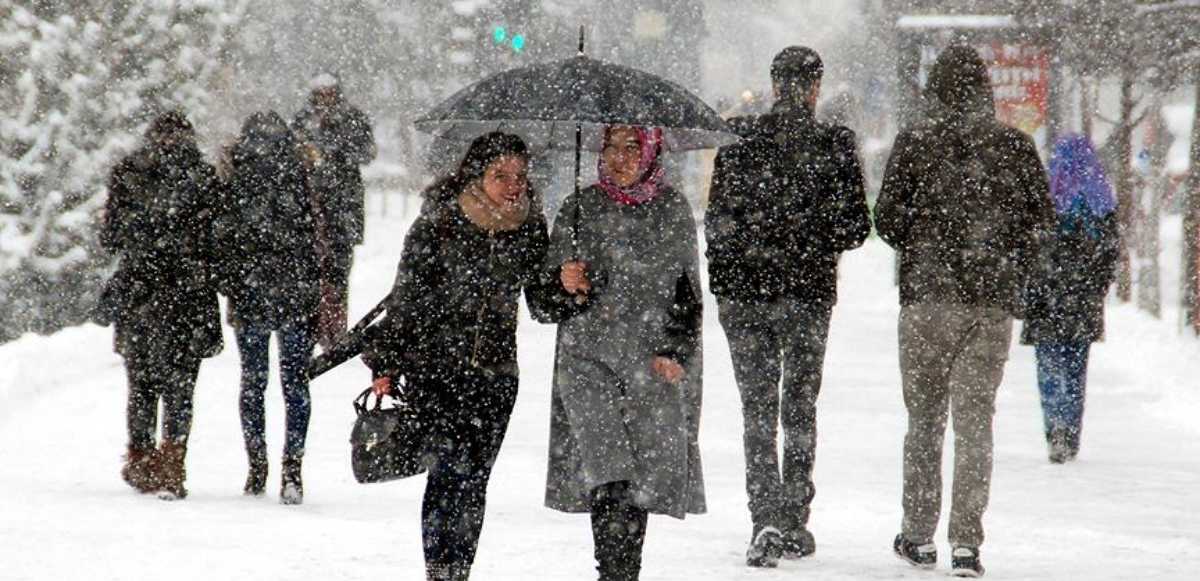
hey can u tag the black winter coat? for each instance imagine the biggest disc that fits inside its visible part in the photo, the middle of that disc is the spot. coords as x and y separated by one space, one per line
346 141
454 303
1066 295
785 202
159 221
267 234
965 202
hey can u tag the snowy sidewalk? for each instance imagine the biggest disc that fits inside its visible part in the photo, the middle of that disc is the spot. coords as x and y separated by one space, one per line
1129 508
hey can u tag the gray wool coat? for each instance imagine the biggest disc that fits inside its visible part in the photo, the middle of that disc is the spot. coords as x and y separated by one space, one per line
612 419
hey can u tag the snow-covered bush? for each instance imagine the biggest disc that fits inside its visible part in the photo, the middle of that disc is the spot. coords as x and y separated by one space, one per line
78 82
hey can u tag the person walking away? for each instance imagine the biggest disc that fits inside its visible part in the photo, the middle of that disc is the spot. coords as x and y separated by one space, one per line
162 300
450 331
1066 305
268 236
337 138
965 204
625 411
785 202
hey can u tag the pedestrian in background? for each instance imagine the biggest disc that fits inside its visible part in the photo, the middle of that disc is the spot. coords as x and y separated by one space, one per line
1066 297
337 139
268 238
162 300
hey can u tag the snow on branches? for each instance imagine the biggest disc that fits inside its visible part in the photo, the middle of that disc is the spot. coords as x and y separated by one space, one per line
78 82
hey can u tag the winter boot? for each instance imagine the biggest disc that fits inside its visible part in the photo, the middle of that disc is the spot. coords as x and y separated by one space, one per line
171 470
922 556
964 562
437 572
256 479
141 469
766 546
444 572
292 489
1073 436
798 543
1056 440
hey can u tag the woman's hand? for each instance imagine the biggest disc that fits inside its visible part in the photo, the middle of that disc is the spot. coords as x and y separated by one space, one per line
574 277
667 369
381 386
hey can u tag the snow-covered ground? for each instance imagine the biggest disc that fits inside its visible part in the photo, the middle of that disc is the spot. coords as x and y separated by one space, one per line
1129 508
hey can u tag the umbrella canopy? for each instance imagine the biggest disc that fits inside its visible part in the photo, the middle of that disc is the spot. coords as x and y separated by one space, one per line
543 103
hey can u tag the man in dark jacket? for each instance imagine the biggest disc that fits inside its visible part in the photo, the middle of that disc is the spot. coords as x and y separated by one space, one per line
337 139
785 202
965 204
162 300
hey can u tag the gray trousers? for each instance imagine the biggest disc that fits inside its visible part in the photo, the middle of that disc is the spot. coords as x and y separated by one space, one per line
951 363
769 341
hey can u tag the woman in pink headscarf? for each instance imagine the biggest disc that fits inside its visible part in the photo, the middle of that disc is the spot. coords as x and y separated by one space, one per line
627 382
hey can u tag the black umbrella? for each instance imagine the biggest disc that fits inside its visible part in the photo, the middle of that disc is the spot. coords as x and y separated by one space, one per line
552 104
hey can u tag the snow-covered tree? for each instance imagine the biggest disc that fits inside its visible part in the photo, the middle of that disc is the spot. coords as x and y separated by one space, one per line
78 82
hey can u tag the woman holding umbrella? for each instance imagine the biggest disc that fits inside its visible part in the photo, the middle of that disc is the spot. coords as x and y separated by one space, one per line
450 330
627 382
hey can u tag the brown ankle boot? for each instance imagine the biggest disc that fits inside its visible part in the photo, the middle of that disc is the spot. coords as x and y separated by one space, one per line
171 469
141 469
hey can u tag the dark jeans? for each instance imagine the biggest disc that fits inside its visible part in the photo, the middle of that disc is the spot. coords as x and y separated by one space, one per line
1062 380
151 377
618 531
295 348
471 416
772 341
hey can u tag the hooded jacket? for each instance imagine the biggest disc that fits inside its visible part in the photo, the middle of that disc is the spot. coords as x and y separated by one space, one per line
965 199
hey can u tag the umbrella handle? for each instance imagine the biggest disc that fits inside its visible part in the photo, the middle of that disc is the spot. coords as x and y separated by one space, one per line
579 299
578 178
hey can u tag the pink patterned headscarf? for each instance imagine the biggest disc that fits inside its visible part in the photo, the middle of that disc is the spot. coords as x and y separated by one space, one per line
650 171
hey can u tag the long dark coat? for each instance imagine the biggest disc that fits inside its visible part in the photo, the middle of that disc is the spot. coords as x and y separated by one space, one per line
267 234
965 202
1066 295
159 221
785 202
612 419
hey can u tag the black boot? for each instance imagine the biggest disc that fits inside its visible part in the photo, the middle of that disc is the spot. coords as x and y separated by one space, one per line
256 478
291 490
1056 440
1073 434
619 529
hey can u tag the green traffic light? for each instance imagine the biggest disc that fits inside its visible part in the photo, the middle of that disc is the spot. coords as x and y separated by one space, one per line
518 42
499 34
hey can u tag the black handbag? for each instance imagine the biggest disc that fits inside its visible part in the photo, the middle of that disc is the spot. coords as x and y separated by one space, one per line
388 443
